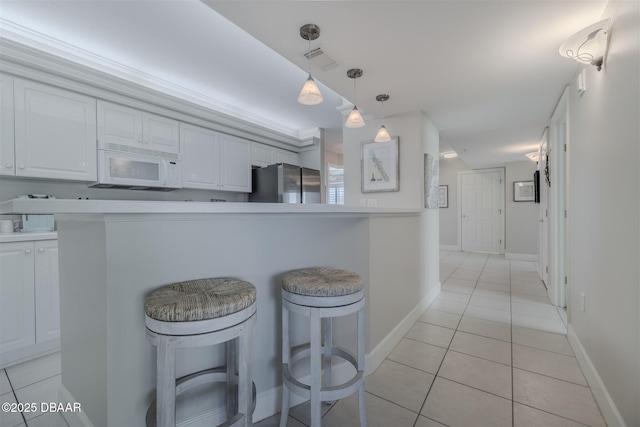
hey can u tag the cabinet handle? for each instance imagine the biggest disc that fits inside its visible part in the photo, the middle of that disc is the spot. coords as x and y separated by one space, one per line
40 250
8 165
21 166
27 251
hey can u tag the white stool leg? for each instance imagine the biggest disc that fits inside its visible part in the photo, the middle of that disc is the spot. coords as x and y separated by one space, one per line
232 382
361 353
316 367
328 342
166 383
286 351
245 387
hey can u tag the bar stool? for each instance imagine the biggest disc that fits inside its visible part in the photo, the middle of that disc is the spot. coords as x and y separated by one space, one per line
321 294
198 313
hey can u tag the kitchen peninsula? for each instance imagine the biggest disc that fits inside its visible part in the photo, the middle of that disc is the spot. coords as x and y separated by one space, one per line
113 253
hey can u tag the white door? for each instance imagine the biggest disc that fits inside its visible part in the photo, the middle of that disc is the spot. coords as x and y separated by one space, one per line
543 261
235 164
482 211
160 133
200 157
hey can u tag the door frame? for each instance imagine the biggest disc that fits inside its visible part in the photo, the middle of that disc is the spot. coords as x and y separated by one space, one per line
557 145
502 190
543 221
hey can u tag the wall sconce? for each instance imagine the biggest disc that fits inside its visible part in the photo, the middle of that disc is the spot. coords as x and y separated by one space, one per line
355 119
534 156
588 46
310 94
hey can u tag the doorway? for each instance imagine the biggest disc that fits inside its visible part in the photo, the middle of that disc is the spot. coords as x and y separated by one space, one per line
481 223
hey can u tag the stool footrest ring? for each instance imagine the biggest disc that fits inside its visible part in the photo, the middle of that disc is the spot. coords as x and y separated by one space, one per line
214 375
326 393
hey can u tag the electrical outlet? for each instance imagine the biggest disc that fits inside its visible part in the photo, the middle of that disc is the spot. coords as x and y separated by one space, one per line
372 202
582 303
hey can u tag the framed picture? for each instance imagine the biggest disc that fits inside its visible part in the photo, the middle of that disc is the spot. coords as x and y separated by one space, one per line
523 191
443 196
431 181
380 166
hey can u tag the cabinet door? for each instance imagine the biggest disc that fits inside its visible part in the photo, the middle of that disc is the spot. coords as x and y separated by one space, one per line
284 156
7 159
160 133
262 155
118 124
200 157
235 164
17 311
55 132
47 290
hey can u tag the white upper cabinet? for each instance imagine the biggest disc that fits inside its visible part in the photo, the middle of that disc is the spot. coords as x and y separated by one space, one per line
118 124
235 164
55 132
265 155
7 151
214 161
200 157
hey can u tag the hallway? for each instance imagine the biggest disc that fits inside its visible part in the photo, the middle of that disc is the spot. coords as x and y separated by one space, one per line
490 351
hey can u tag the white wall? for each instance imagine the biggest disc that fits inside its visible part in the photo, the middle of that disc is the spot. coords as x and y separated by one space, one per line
521 228
449 169
408 128
521 218
604 241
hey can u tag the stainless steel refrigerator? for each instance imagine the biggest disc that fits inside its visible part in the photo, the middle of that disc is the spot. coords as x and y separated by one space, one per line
285 183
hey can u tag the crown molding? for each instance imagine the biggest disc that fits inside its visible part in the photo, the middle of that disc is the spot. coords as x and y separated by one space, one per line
30 54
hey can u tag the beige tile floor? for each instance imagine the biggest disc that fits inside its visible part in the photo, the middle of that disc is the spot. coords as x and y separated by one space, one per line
490 351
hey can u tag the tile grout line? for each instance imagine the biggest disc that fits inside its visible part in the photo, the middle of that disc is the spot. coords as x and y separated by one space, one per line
15 396
513 405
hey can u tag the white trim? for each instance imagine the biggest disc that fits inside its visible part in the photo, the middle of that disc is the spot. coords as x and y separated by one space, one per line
521 257
450 248
377 355
607 406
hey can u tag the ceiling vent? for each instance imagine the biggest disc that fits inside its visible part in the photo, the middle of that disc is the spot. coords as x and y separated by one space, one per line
321 59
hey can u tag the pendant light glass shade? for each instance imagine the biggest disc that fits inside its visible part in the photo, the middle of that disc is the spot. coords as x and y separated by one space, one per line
355 119
310 94
382 135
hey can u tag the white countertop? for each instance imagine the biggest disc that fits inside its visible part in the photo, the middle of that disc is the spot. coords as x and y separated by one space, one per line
27 237
64 206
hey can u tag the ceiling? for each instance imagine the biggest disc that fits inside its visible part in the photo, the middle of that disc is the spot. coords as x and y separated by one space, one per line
487 73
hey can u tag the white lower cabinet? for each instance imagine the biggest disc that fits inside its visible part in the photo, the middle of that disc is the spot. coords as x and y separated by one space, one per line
214 161
29 300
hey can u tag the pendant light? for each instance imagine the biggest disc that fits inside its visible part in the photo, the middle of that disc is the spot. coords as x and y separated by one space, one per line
310 94
383 134
355 119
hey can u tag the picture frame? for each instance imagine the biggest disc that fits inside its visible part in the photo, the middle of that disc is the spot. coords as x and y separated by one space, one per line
379 165
523 191
431 182
443 196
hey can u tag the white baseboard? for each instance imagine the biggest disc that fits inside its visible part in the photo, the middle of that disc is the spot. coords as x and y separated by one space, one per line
74 419
388 343
608 408
521 257
450 248
269 402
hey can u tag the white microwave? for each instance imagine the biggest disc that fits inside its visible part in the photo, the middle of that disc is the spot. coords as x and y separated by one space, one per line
138 169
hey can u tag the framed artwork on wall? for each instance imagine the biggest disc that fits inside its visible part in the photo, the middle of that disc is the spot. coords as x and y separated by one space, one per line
523 191
379 164
431 181
443 196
